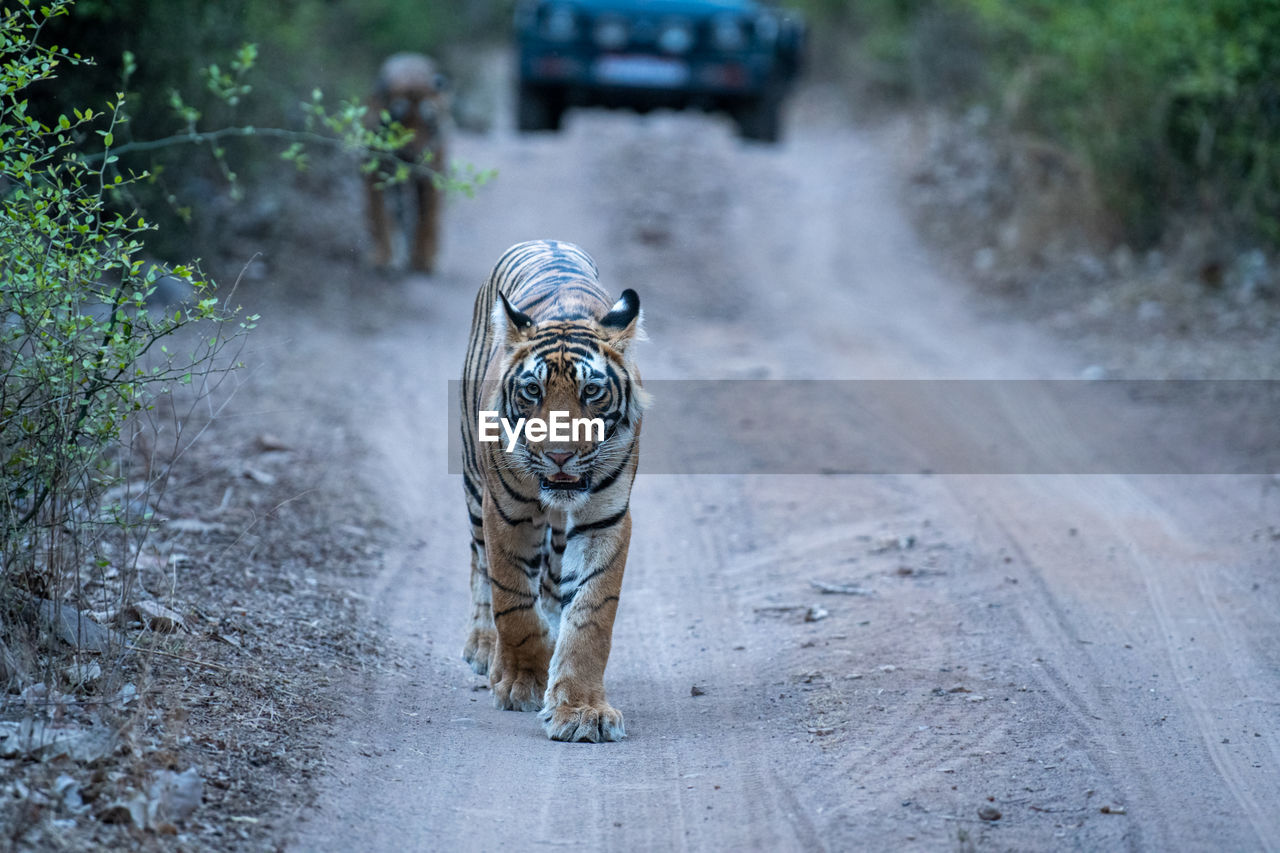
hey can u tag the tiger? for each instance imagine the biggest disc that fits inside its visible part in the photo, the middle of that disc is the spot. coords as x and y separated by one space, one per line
410 91
550 520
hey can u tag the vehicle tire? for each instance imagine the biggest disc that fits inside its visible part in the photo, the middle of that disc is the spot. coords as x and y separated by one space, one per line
537 109
792 47
761 119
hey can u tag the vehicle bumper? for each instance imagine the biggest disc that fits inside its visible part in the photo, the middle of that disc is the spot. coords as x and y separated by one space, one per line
631 79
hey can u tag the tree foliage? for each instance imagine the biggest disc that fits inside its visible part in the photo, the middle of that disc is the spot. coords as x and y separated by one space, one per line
1175 105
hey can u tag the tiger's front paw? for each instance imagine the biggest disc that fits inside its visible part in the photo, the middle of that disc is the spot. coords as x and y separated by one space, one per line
380 257
479 649
595 723
517 689
422 263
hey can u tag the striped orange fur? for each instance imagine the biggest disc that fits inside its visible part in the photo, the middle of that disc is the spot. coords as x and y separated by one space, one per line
550 520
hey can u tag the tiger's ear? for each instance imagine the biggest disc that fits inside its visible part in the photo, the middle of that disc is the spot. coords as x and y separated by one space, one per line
509 324
625 321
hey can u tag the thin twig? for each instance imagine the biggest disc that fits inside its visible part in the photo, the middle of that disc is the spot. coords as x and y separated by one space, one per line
180 657
211 136
839 589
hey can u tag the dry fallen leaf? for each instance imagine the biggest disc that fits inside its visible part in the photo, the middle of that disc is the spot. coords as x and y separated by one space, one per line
157 617
268 443
174 796
815 613
260 476
193 525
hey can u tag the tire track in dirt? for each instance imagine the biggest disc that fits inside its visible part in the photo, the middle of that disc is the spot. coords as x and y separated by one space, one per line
475 757
1089 599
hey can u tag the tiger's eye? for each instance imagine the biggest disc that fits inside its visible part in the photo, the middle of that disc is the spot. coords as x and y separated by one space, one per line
590 390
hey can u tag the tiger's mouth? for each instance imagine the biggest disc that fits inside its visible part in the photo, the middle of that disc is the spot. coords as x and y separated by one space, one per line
562 482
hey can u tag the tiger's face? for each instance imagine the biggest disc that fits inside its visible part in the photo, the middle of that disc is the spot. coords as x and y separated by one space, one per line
575 376
413 93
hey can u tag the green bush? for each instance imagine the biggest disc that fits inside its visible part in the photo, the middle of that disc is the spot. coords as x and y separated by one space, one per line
82 353
1174 105
86 345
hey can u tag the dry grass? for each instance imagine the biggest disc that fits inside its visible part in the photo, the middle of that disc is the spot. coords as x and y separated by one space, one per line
1021 220
252 562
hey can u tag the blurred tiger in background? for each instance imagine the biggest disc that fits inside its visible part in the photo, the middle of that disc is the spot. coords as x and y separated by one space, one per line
550 519
411 91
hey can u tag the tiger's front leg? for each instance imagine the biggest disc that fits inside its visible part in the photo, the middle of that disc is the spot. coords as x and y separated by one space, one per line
482 636
513 544
426 229
575 708
379 222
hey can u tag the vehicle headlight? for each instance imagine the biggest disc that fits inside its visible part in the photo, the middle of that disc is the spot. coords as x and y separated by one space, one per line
559 24
675 36
611 33
727 33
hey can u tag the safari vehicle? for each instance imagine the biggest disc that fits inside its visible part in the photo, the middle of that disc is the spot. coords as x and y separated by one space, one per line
735 56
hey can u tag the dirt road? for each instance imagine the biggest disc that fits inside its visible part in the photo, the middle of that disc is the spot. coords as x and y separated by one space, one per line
1094 658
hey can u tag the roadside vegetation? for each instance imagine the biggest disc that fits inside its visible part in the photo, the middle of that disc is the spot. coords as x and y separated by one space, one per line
1174 108
122 125
186 61
85 347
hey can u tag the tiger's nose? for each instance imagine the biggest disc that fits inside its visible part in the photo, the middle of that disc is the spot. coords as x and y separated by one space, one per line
559 457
